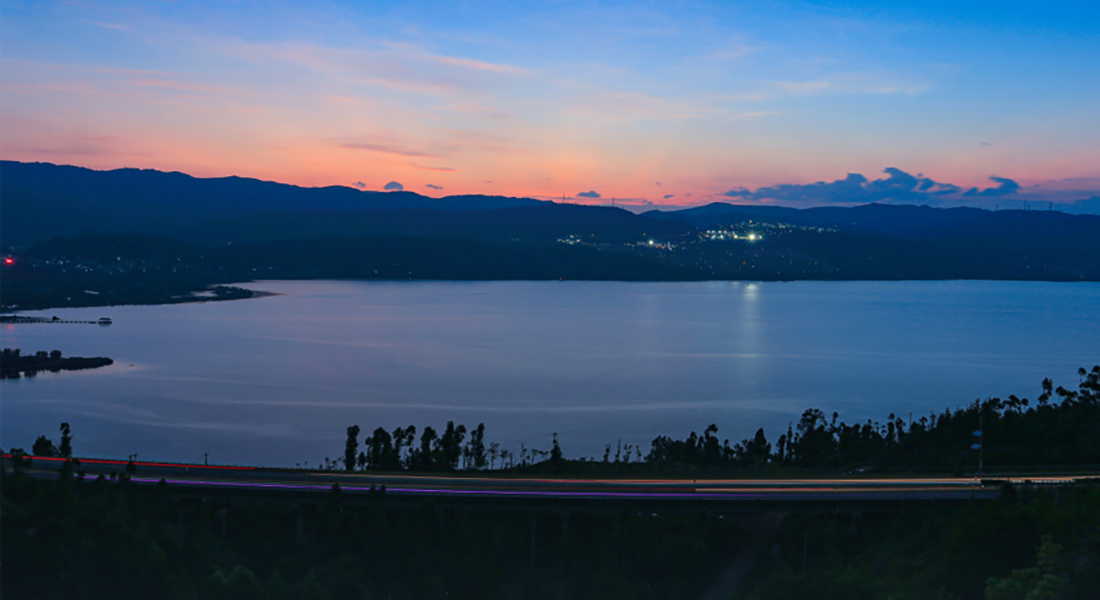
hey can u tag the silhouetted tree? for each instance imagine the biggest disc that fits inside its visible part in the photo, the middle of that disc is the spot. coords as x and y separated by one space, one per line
449 448
351 448
494 450
556 457
380 451
712 452
475 449
424 458
403 440
43 447
67 470
754 451
66 449
20 462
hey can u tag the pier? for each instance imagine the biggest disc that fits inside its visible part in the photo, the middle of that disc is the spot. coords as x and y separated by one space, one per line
22 319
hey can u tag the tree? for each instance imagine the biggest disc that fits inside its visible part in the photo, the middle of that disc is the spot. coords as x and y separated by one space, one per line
755 451
1042 582
475 449
380 454
351 448
20 462
556 457
68 470
450 446
712 451
494 450
425 456
43 447
66 449
403 438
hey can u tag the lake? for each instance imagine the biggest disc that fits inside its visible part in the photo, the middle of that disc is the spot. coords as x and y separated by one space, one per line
276 380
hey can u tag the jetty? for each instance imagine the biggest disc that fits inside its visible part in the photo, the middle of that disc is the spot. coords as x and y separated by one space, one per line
22 319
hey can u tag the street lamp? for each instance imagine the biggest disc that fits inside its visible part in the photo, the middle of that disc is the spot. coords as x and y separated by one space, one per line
978 445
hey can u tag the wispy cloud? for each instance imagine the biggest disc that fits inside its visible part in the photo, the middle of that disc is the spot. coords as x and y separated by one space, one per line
115 26
478 65
855 83
627 105
400 66
386 149
71 146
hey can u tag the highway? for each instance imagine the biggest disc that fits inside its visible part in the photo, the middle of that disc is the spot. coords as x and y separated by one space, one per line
214 479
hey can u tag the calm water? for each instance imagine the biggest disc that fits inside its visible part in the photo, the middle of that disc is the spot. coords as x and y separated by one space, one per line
277 380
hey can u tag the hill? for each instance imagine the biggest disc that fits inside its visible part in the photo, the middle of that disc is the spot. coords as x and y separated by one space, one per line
42 200
147 236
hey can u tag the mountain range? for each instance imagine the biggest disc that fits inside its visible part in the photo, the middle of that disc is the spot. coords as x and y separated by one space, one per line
340 231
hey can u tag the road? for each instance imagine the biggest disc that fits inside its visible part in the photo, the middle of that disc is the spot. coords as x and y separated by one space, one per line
215 478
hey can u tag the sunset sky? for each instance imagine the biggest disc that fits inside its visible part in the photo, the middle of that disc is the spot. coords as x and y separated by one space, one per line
662 103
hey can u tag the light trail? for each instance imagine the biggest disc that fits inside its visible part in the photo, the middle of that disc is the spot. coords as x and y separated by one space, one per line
105 461
214 477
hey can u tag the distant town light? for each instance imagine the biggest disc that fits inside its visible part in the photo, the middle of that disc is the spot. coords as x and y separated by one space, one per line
9 260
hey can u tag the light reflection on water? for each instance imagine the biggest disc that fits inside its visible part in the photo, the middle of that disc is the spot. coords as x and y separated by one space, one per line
276 380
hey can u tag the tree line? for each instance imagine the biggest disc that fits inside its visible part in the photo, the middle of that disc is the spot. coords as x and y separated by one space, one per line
450 450
14 364
1058 428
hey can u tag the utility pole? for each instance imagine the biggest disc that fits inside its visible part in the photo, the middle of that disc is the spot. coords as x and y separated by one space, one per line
981 447
205 458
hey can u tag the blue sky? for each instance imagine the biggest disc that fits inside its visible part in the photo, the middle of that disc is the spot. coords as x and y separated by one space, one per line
558 98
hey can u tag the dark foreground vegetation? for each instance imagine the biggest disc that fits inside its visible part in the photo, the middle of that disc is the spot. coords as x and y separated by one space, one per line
1027 545
14 364
1060 428
113 539
72 537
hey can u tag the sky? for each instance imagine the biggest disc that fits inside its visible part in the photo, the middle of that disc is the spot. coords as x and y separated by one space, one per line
663 103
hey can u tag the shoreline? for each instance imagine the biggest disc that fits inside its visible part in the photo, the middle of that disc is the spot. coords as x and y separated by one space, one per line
194 299
254 294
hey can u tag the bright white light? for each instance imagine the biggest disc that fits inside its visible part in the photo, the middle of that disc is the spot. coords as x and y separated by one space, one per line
650 242
752 237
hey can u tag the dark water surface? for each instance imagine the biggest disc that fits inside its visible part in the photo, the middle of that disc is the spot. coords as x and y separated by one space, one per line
277 380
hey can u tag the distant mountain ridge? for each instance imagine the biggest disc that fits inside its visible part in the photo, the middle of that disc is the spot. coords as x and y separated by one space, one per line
901 220
43 200
266 227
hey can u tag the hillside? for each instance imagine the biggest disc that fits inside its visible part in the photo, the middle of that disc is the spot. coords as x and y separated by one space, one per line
148 236
42 200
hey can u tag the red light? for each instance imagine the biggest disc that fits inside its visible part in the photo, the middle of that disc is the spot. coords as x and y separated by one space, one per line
9 261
